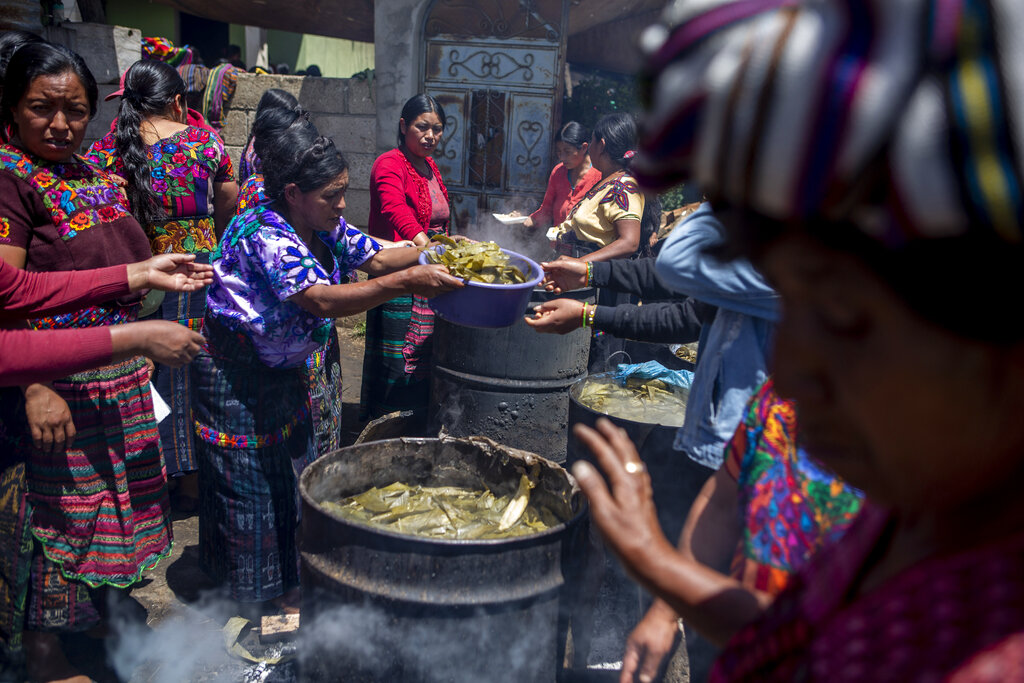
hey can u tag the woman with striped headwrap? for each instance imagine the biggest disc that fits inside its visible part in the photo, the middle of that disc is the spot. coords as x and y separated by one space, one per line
866 154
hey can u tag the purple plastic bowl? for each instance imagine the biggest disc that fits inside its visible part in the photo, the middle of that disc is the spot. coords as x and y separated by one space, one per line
480 304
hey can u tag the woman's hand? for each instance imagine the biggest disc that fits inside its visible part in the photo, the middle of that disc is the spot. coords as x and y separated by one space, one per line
560 316
430 280
49 419
624 511
564 274
171 273
161 340
649 644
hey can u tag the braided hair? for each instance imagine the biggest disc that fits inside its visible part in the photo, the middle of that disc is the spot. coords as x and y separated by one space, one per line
150 87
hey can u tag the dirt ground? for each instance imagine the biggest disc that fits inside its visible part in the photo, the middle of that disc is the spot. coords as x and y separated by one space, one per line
169 626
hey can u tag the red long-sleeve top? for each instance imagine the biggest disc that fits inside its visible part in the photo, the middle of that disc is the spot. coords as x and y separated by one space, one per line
561 196
28 356
400 205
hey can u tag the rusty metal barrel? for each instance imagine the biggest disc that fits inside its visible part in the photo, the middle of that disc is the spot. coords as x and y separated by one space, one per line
382 606
509 383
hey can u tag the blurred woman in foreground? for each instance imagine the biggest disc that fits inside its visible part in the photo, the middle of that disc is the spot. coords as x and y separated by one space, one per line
885 205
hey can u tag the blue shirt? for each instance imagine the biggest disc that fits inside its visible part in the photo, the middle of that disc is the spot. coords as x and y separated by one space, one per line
732 352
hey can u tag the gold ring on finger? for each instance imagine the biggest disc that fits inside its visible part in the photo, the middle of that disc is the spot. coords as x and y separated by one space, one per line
635 467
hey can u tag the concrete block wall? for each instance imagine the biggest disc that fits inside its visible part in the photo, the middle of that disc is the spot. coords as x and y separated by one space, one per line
343 109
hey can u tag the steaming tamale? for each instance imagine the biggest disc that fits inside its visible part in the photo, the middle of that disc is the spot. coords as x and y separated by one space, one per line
476 261
650 401
447 511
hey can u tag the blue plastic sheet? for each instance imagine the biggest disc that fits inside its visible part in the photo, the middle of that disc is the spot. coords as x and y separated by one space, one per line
652 369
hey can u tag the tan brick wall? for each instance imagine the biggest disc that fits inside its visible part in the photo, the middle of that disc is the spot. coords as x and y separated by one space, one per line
342 109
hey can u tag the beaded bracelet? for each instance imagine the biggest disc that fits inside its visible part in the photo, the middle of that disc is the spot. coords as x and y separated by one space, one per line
583 316
590 315
590 274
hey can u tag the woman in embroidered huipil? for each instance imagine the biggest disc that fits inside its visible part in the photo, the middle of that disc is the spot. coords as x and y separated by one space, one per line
182 190
273 302
408 201
97 488
278 111
613 219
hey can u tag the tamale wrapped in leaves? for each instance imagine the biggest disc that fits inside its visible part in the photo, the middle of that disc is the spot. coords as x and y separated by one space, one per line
477 261
447 511
650 401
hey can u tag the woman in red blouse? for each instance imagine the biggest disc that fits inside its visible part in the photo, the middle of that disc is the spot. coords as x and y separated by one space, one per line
408 201
570 180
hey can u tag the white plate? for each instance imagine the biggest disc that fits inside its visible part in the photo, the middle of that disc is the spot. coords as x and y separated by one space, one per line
509 220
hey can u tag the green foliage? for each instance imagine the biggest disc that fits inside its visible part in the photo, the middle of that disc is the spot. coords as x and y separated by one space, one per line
359 329
674 198
600 93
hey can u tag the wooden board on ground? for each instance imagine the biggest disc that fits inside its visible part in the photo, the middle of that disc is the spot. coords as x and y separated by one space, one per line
278 627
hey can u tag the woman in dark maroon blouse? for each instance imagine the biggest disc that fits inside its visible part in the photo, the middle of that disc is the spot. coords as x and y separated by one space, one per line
91 502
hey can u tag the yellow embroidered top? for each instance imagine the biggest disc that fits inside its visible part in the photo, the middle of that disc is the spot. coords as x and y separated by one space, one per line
593 218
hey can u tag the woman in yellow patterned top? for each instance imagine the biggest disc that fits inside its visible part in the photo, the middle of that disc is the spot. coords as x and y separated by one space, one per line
614 219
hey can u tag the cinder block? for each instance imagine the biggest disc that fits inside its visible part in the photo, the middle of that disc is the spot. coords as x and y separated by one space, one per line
250 88
361 97
323 95
107 50
357 208
353 134
359 165
236 127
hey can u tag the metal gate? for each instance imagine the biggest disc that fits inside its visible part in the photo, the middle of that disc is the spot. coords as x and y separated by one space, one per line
495 66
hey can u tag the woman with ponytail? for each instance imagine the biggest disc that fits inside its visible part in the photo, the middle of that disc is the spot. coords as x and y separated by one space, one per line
181 189
278 275
614 219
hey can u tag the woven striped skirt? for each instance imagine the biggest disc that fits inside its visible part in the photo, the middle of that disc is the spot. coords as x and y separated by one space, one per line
100 508
176 433
324 380
396 362
93 515
254 438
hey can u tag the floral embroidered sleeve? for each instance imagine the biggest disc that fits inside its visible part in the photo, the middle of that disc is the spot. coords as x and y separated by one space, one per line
288 266
251 194
351 247
225 170
622 200
18 205
102 154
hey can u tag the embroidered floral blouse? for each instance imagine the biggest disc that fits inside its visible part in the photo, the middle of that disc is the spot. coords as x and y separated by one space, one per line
183 169
69 216
259 264
593 219
251 194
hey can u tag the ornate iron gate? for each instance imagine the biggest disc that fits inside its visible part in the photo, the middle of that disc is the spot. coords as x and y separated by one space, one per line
495 66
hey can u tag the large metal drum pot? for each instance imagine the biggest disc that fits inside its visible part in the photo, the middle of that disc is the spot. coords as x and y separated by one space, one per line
676 478
382 606
509 383
676 481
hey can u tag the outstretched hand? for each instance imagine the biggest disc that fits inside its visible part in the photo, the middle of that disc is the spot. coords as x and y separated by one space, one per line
160 340
170 273
623 509
559 316
564 274
431 280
